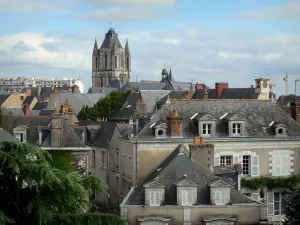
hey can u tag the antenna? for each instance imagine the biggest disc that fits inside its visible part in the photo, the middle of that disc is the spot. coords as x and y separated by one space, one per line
296 81
286 80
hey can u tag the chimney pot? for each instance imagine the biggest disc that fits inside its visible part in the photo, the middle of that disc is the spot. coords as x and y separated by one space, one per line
195 140
202 140
175 113
56 110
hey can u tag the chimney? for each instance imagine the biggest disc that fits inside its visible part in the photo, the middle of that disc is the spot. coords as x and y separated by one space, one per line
204 95
198 87
219 88
56 128
195 140
202 154
190 94
141 108
28 92
175 124
75 89
38 93
26 109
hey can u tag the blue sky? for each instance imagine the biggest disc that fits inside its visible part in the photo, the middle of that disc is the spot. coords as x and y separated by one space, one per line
204 40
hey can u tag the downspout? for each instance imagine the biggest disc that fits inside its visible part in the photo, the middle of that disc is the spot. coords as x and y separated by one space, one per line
136 163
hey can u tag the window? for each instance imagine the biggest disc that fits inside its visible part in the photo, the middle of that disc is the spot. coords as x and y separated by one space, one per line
281 165
93 158
116 64
154 198
127 63
129 165
225 160
236 128
122 62
96 63
105 59
118 184
103 158
124 163
279 204
246 164
186 197
247 194
20 137
117 160
22 98
206 129
219 198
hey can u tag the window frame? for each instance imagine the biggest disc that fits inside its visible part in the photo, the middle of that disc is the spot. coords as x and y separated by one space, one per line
219 196
104 159
246 164
154 198
236 127
188 196
226 158
207 129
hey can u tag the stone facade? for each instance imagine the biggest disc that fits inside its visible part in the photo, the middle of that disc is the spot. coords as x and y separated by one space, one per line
111 61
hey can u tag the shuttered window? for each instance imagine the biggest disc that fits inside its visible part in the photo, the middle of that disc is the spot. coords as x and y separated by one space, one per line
281 165
186 197
219 198
154 198
270 202
254 165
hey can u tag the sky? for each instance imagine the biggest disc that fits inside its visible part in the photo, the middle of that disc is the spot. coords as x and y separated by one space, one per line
205 41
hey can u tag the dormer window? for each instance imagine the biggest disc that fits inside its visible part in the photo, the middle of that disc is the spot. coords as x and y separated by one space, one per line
219 192
186 192
160 129
280 128
206 129
206 124
154 193
20 133
236 128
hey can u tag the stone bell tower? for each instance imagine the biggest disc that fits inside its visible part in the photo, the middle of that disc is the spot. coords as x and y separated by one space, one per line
111 61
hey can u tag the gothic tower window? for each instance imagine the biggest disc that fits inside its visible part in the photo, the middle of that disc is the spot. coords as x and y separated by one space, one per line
96 63
105 59
116 61
102 82
127 62
121 62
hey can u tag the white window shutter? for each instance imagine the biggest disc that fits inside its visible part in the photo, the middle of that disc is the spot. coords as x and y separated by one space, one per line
286 165
152 198
183 197
217 161
235 159
277 165
157 198
189 197
254 165
255 196
270 202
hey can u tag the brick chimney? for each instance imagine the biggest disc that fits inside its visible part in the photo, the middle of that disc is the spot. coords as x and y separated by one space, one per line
198 87
28 92
219 88
56 128
205 95
26 109
175 124
203 154
190 94
141 108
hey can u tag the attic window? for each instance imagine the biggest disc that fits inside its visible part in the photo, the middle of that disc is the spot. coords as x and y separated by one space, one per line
160 132
280 130
128 106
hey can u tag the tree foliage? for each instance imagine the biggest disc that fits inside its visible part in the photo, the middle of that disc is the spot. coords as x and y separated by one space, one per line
292 199
34 190
105 107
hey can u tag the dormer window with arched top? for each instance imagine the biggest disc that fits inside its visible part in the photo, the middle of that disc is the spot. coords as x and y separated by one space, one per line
160 129
279 128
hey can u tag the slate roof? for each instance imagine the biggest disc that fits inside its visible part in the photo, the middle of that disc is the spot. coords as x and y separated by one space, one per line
32 122
115 84
172 170
177 85
105 90
78 100
40 106
46 91
3 98
5 136
228 169
126 111
111 39
155 85
14 111
228 93
28 100
46 112
258 114
104 134
69 139
171 95
150 98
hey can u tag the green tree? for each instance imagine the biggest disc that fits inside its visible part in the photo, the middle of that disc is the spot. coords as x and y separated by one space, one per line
292 199
33 190
105 107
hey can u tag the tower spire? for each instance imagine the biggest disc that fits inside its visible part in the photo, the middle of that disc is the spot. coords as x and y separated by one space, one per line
127 51
95 50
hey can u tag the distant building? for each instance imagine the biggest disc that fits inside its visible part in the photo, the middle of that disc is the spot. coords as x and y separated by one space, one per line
111 61
15 84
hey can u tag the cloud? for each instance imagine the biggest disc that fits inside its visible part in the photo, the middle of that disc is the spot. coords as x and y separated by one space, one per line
22 46
204 55
290 12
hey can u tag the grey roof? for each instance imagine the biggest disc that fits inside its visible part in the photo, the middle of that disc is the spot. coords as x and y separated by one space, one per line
5 136
46 112
173 95
151 96
115 84
123 128
78 100
228 169
46 91
40 106
228 93
111 39
172 170
69 139
104 134
128 109
3 98
212 94
28 100
32 122
14 111
177 85
155 85
258 114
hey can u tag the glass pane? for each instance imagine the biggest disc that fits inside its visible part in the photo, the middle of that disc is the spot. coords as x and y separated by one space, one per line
276 197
